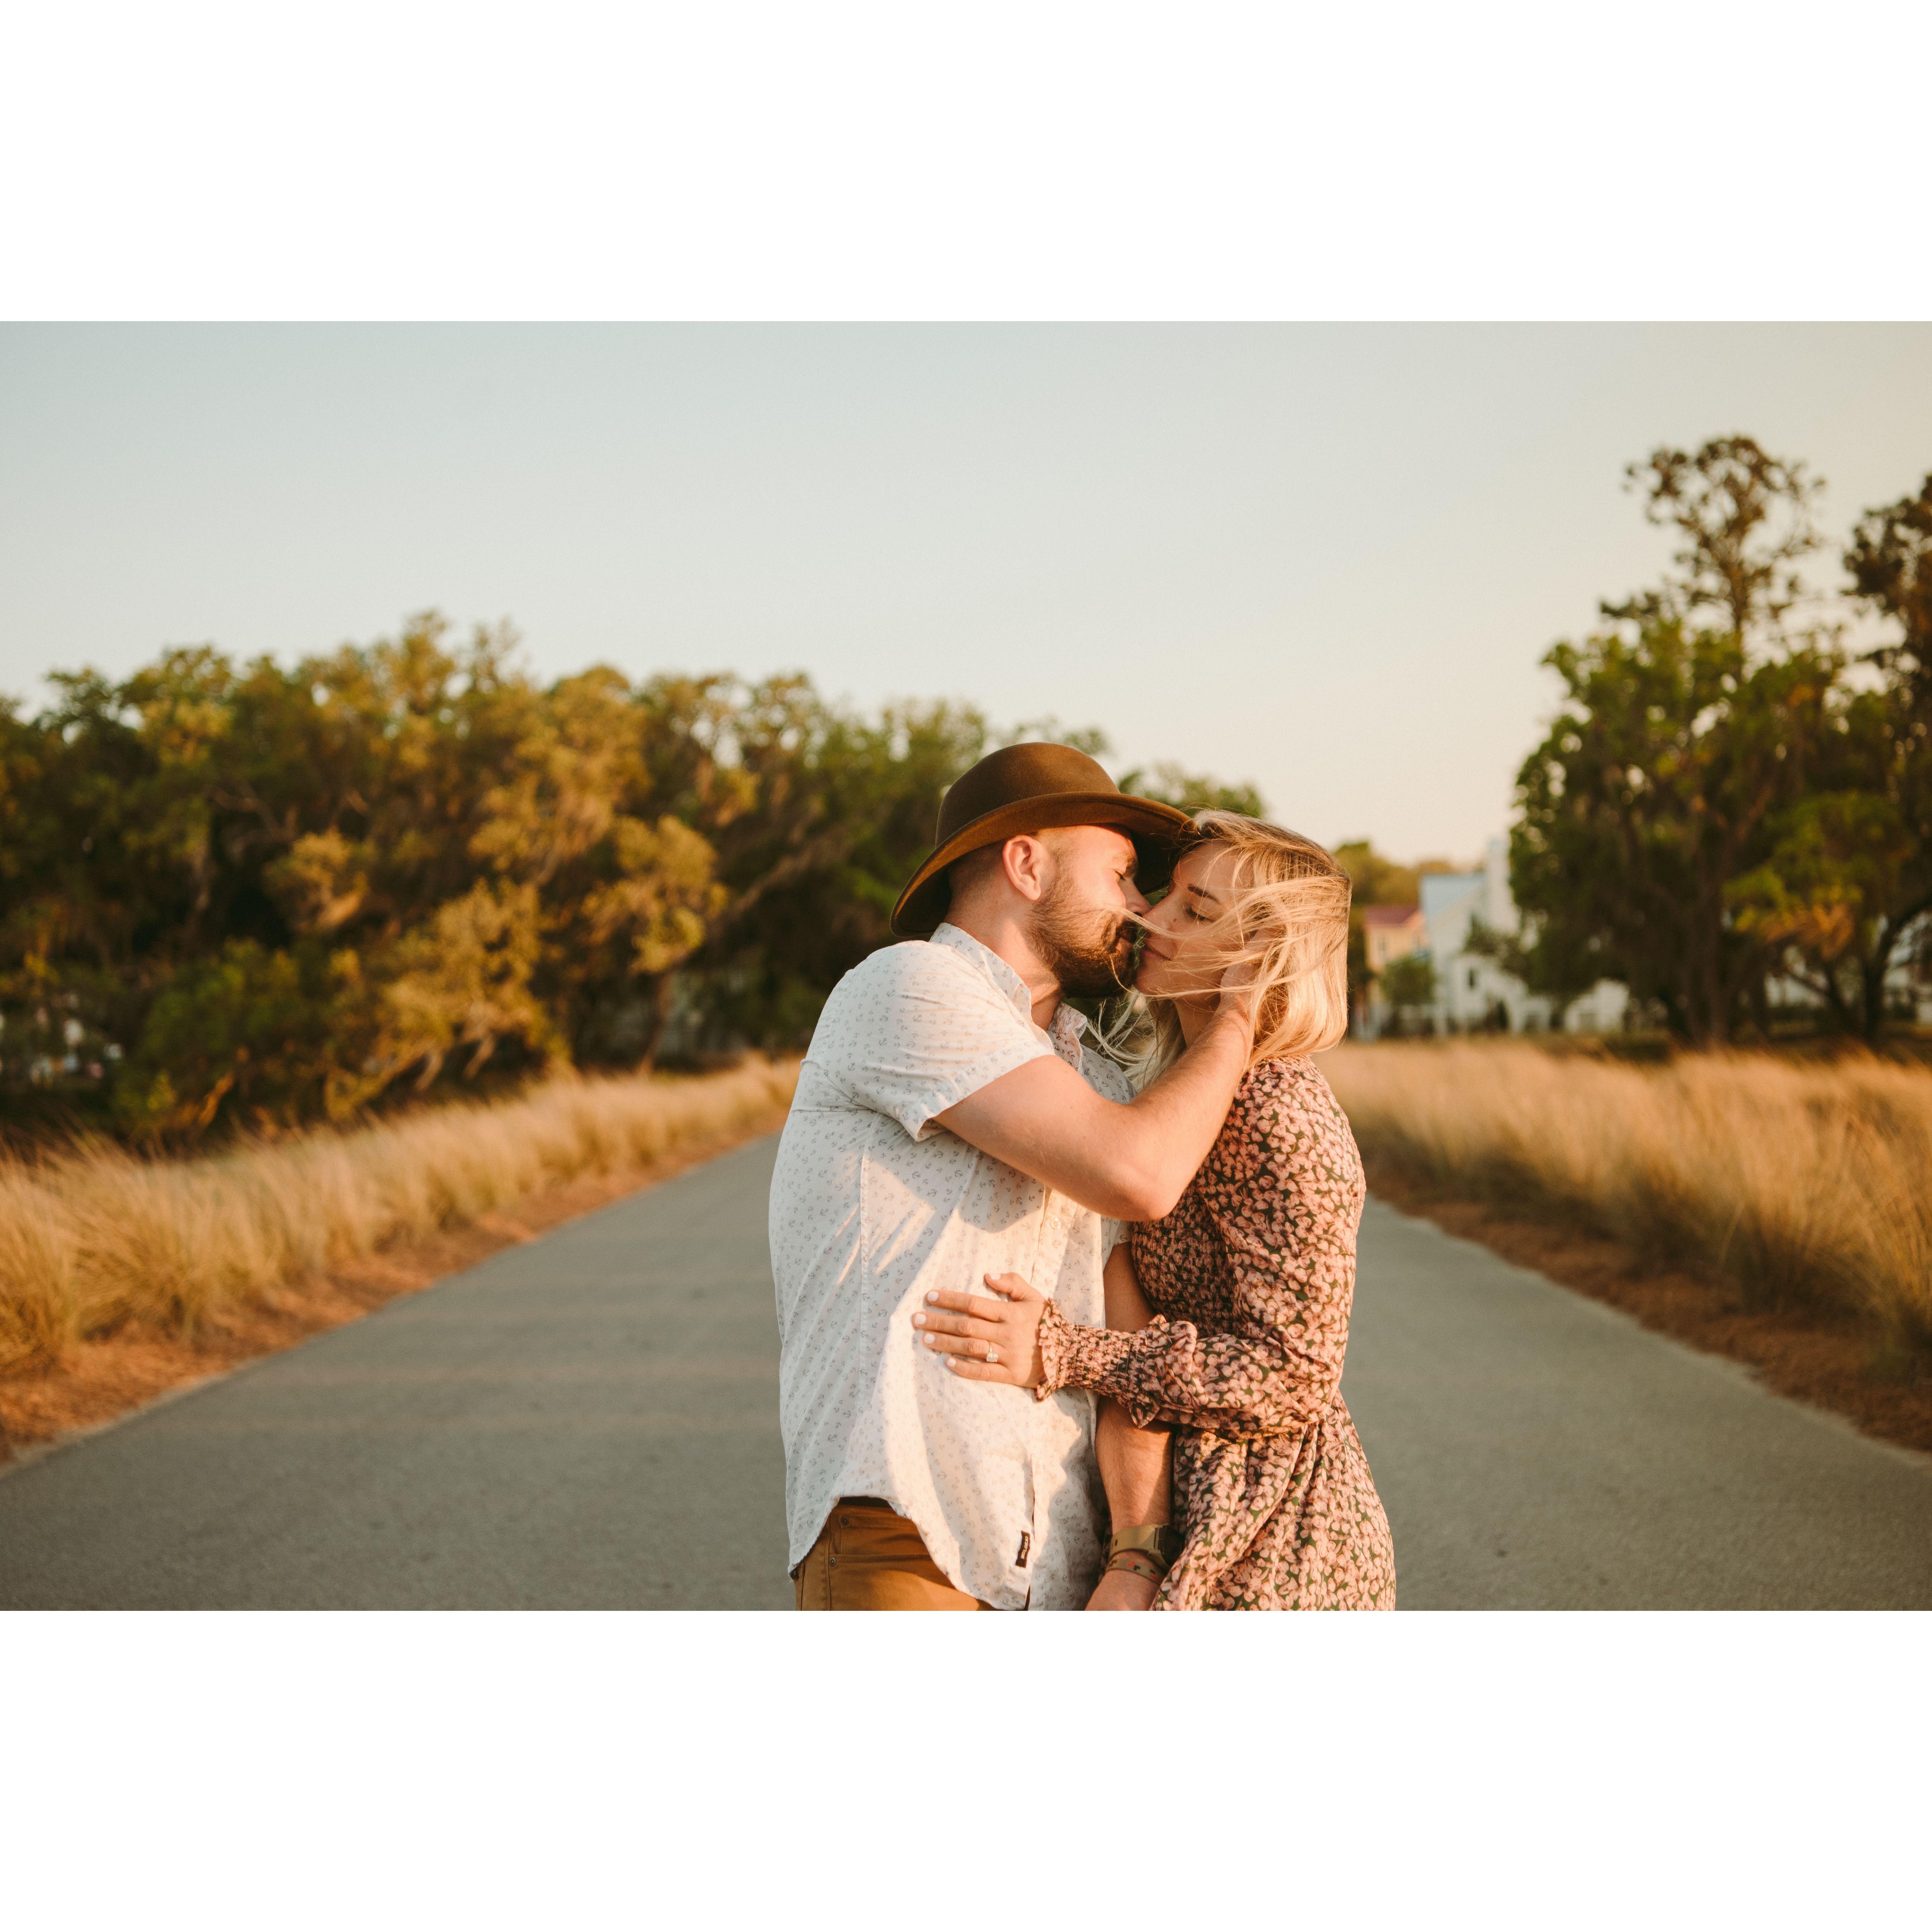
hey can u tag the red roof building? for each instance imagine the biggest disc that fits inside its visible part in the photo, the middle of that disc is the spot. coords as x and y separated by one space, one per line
1390 932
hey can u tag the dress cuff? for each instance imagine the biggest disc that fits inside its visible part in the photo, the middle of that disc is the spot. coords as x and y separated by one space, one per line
1074 1357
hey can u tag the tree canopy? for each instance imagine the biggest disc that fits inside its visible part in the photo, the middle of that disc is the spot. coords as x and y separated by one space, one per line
1725 797
258 895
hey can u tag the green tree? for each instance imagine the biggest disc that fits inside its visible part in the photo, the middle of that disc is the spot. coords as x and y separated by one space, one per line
1170 784
1846 875
258 1033
837 811
1890 562
1743 520
1408 984
1652 798
1377 880
1686 732
303 886
1847 885
285 892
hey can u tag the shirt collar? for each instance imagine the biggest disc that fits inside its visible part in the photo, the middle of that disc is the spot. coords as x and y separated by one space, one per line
1067 1025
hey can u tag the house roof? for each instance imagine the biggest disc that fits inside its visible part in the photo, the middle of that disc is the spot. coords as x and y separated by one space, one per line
1389 915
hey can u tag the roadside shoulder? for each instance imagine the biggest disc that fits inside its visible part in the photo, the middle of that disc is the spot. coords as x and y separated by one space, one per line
105 1382
1819 1356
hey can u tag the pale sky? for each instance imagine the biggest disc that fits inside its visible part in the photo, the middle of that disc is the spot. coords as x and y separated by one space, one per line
1323 557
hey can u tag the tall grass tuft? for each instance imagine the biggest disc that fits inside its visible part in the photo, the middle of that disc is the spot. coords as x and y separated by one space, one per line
1796 1184
95 1240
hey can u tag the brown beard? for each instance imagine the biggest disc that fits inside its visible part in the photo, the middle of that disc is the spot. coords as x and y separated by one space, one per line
1089 952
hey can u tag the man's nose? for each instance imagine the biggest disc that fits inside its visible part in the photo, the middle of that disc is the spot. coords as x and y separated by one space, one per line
1137 904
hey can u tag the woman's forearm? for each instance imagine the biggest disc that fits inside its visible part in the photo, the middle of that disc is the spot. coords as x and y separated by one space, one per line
1177 1120
1169 1373
1131 1160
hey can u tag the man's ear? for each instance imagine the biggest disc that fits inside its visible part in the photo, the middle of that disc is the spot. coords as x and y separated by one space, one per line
1027 865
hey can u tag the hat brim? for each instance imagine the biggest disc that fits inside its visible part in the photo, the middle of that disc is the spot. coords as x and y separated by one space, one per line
1158 831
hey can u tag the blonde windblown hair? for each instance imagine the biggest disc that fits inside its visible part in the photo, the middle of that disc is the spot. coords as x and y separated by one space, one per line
1288 911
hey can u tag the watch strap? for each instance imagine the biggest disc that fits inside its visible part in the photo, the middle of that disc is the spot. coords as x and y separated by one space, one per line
1160 1541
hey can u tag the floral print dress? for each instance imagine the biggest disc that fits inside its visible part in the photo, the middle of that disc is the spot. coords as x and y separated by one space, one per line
1251 1278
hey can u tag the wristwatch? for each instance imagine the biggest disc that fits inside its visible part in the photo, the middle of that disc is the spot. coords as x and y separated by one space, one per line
1159 1540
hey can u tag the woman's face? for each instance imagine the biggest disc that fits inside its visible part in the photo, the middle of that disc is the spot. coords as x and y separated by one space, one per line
1184 956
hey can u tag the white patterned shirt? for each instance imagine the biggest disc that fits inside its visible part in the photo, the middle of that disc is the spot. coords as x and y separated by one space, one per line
873 1204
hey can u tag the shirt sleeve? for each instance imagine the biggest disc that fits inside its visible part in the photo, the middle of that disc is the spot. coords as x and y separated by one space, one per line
919 1031
1278 1365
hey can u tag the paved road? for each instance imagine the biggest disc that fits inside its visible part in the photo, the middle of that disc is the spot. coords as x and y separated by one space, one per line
590 1422
1536 1450
587 1422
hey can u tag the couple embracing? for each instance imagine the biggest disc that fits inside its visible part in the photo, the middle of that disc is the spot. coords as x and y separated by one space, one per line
1063 1328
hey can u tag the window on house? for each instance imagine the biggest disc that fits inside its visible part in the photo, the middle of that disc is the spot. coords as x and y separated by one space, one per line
1472 979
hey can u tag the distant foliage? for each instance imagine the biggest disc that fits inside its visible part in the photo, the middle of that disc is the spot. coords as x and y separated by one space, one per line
1189 793
1377 880
1409 983
258 895
1726 798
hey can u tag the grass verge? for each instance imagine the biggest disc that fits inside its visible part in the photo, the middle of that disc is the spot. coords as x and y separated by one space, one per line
1779 1214
121 1278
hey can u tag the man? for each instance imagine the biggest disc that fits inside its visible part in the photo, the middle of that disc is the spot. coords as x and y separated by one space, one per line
950 1130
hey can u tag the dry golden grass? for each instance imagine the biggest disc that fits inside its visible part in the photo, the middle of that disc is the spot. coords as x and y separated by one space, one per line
1794 1183
95 1241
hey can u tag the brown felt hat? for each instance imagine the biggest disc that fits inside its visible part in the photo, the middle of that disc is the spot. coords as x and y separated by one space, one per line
1029 788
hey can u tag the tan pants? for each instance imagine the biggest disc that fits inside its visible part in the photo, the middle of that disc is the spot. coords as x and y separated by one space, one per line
870 1558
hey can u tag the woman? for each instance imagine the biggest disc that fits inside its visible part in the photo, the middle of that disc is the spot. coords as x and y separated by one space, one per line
1228 1320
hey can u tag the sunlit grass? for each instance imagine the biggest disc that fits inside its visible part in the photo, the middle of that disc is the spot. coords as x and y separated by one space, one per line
1794 1183
96 1241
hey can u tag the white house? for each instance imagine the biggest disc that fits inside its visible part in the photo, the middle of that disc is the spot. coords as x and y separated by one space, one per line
1472 989
1473 992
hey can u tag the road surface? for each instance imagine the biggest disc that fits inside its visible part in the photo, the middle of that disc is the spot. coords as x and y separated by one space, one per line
590 1421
